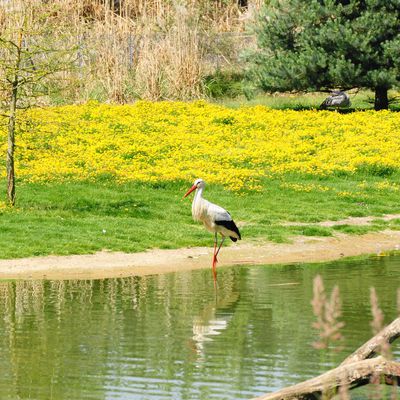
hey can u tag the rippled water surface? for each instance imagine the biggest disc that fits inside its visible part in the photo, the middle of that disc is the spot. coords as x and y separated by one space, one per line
168 336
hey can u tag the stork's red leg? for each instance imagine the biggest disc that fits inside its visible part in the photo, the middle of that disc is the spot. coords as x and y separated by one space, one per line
219 248
215 248
214 262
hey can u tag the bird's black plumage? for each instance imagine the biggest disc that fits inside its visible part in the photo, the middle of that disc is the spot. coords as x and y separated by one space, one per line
337 99
231 226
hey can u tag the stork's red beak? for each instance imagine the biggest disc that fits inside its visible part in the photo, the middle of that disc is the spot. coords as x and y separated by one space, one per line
194 187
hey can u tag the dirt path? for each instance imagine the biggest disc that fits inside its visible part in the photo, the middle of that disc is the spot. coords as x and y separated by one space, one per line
116 264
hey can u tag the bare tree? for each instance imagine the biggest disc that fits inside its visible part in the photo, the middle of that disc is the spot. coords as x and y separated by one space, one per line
33 49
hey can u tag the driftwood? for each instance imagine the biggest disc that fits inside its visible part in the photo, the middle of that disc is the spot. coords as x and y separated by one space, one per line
356 370
372 347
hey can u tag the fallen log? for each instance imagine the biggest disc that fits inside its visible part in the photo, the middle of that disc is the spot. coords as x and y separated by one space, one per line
371 348
356 370
352 375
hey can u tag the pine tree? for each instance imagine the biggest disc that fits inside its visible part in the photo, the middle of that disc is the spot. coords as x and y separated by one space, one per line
326 44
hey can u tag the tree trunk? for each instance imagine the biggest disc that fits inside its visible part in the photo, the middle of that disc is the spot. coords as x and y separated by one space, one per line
381 98
11 125
11 145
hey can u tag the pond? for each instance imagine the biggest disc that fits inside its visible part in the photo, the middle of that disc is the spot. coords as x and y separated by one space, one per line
168 336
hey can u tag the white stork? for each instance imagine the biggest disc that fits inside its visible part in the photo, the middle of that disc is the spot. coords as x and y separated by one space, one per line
215 219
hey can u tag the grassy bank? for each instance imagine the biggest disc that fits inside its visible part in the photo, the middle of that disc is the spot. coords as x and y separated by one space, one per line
100 176
84 217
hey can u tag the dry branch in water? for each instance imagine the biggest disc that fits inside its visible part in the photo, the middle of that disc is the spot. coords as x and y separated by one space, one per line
356 370
353 375
372 347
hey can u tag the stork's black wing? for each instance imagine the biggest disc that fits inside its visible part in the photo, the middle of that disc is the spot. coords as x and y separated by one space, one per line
231 226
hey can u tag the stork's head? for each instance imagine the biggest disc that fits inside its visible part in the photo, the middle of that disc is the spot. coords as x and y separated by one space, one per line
198 183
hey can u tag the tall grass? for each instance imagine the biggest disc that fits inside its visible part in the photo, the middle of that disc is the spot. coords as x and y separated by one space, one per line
151 49
171 65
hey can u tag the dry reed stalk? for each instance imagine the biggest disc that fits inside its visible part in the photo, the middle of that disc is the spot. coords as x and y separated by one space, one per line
170 62
184 70
149 72
328 313
344 391
394 391
153 49
375 392
377 314
377 323
110 67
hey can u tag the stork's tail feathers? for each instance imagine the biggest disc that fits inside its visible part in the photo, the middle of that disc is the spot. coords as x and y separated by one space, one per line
236 230
232 227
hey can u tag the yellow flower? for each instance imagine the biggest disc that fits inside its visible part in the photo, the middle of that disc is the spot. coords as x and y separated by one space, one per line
169 141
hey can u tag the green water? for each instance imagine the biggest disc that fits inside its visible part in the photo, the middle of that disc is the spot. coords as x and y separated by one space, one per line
168 337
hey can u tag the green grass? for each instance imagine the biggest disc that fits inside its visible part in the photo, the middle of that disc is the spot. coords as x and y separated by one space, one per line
361 100
78 218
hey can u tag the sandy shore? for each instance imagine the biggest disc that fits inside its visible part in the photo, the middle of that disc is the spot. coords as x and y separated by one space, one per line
116 264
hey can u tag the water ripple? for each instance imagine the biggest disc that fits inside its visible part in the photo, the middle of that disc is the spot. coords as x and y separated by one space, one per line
170 337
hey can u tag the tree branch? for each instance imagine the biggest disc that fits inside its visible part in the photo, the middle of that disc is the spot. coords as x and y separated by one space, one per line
356 370
371 348
352 375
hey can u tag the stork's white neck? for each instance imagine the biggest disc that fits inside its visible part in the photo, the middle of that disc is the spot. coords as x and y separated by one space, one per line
199 193
197 205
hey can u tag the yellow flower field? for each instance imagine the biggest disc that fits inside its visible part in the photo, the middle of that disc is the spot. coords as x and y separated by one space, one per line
174 140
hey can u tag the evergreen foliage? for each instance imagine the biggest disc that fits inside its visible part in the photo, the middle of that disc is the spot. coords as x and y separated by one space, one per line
319 45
